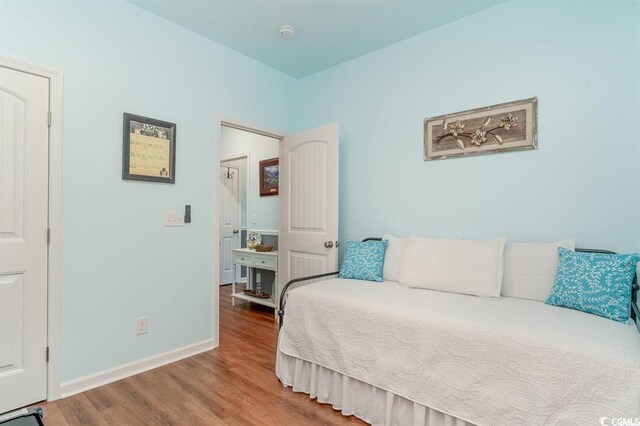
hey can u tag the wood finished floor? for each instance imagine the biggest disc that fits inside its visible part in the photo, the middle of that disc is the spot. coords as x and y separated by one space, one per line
234 384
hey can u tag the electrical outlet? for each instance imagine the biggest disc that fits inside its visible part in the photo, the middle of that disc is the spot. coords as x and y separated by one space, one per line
141 326
173 218
254 218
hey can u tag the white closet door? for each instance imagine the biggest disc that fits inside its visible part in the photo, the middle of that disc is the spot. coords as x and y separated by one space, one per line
307 243
229 220
24 151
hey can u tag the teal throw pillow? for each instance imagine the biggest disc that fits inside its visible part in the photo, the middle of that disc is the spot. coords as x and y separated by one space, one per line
595 283
364 260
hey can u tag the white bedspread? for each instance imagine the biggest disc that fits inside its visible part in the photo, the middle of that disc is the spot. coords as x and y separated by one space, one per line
485 361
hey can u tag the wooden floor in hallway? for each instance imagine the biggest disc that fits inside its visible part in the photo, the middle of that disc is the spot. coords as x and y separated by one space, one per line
234 384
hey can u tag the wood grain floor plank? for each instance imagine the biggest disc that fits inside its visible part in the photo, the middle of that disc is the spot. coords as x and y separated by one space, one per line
77 410
234 384
122 415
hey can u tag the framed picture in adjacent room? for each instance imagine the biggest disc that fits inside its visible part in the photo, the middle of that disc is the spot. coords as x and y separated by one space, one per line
269 177
149 149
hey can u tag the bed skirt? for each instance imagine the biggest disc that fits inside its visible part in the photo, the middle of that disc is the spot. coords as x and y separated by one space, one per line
353 397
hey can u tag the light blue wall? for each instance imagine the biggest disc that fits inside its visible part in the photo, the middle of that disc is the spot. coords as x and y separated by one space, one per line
119 263
580 58
260 147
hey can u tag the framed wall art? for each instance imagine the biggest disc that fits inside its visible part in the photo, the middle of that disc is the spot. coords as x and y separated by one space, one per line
497 128
149 149
269 176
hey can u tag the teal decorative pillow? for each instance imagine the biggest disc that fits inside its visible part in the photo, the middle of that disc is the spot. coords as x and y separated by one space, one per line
595 283
364 260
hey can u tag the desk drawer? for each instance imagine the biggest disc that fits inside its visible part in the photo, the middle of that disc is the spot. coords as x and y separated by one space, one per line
266 262
243 259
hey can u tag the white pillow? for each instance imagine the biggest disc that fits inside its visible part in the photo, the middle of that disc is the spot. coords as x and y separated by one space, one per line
456 266
530 269
393 257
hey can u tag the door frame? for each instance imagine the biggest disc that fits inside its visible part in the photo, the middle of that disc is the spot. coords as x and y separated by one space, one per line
222 120
54 249
246 156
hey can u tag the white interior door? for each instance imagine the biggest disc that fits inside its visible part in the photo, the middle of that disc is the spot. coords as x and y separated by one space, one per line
24 162
229 220
308 203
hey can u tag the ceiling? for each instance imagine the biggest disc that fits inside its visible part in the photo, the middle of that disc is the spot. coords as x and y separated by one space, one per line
328 32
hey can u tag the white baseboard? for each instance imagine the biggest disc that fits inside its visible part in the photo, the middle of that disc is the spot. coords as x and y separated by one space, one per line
82 384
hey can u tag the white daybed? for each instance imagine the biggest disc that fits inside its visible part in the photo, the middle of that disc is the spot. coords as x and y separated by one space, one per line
394 355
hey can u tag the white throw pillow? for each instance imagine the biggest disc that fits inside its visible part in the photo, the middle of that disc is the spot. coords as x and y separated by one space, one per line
393 257
456 266
530 269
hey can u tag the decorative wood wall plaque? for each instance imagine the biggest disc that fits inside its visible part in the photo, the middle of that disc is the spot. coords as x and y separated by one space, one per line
497 128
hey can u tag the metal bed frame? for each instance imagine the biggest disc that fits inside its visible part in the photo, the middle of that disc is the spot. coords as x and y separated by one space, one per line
635 312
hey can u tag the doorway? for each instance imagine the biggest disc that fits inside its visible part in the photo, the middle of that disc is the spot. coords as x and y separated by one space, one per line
306 206
30 176
247 212
243 210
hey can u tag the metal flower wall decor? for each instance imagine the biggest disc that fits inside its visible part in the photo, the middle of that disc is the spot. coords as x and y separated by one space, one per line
479 136
470 132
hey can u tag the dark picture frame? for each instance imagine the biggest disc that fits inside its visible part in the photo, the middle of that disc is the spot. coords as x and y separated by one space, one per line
269 177
149 152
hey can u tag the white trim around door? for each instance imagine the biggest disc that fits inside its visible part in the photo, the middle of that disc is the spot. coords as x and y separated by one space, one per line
221 120
55 217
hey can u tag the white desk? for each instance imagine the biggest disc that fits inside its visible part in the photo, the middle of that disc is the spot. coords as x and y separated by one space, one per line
255 260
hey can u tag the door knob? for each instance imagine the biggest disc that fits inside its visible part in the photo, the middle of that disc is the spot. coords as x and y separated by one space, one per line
328 244
235 231
337 244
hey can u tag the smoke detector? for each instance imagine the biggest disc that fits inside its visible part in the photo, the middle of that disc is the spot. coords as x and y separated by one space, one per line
286 32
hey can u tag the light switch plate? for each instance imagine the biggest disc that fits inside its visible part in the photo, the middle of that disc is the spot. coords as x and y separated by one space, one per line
173 218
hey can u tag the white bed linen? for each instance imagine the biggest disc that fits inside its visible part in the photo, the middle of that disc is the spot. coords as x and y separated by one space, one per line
435 264
487 361
394 257
353 397
530 269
